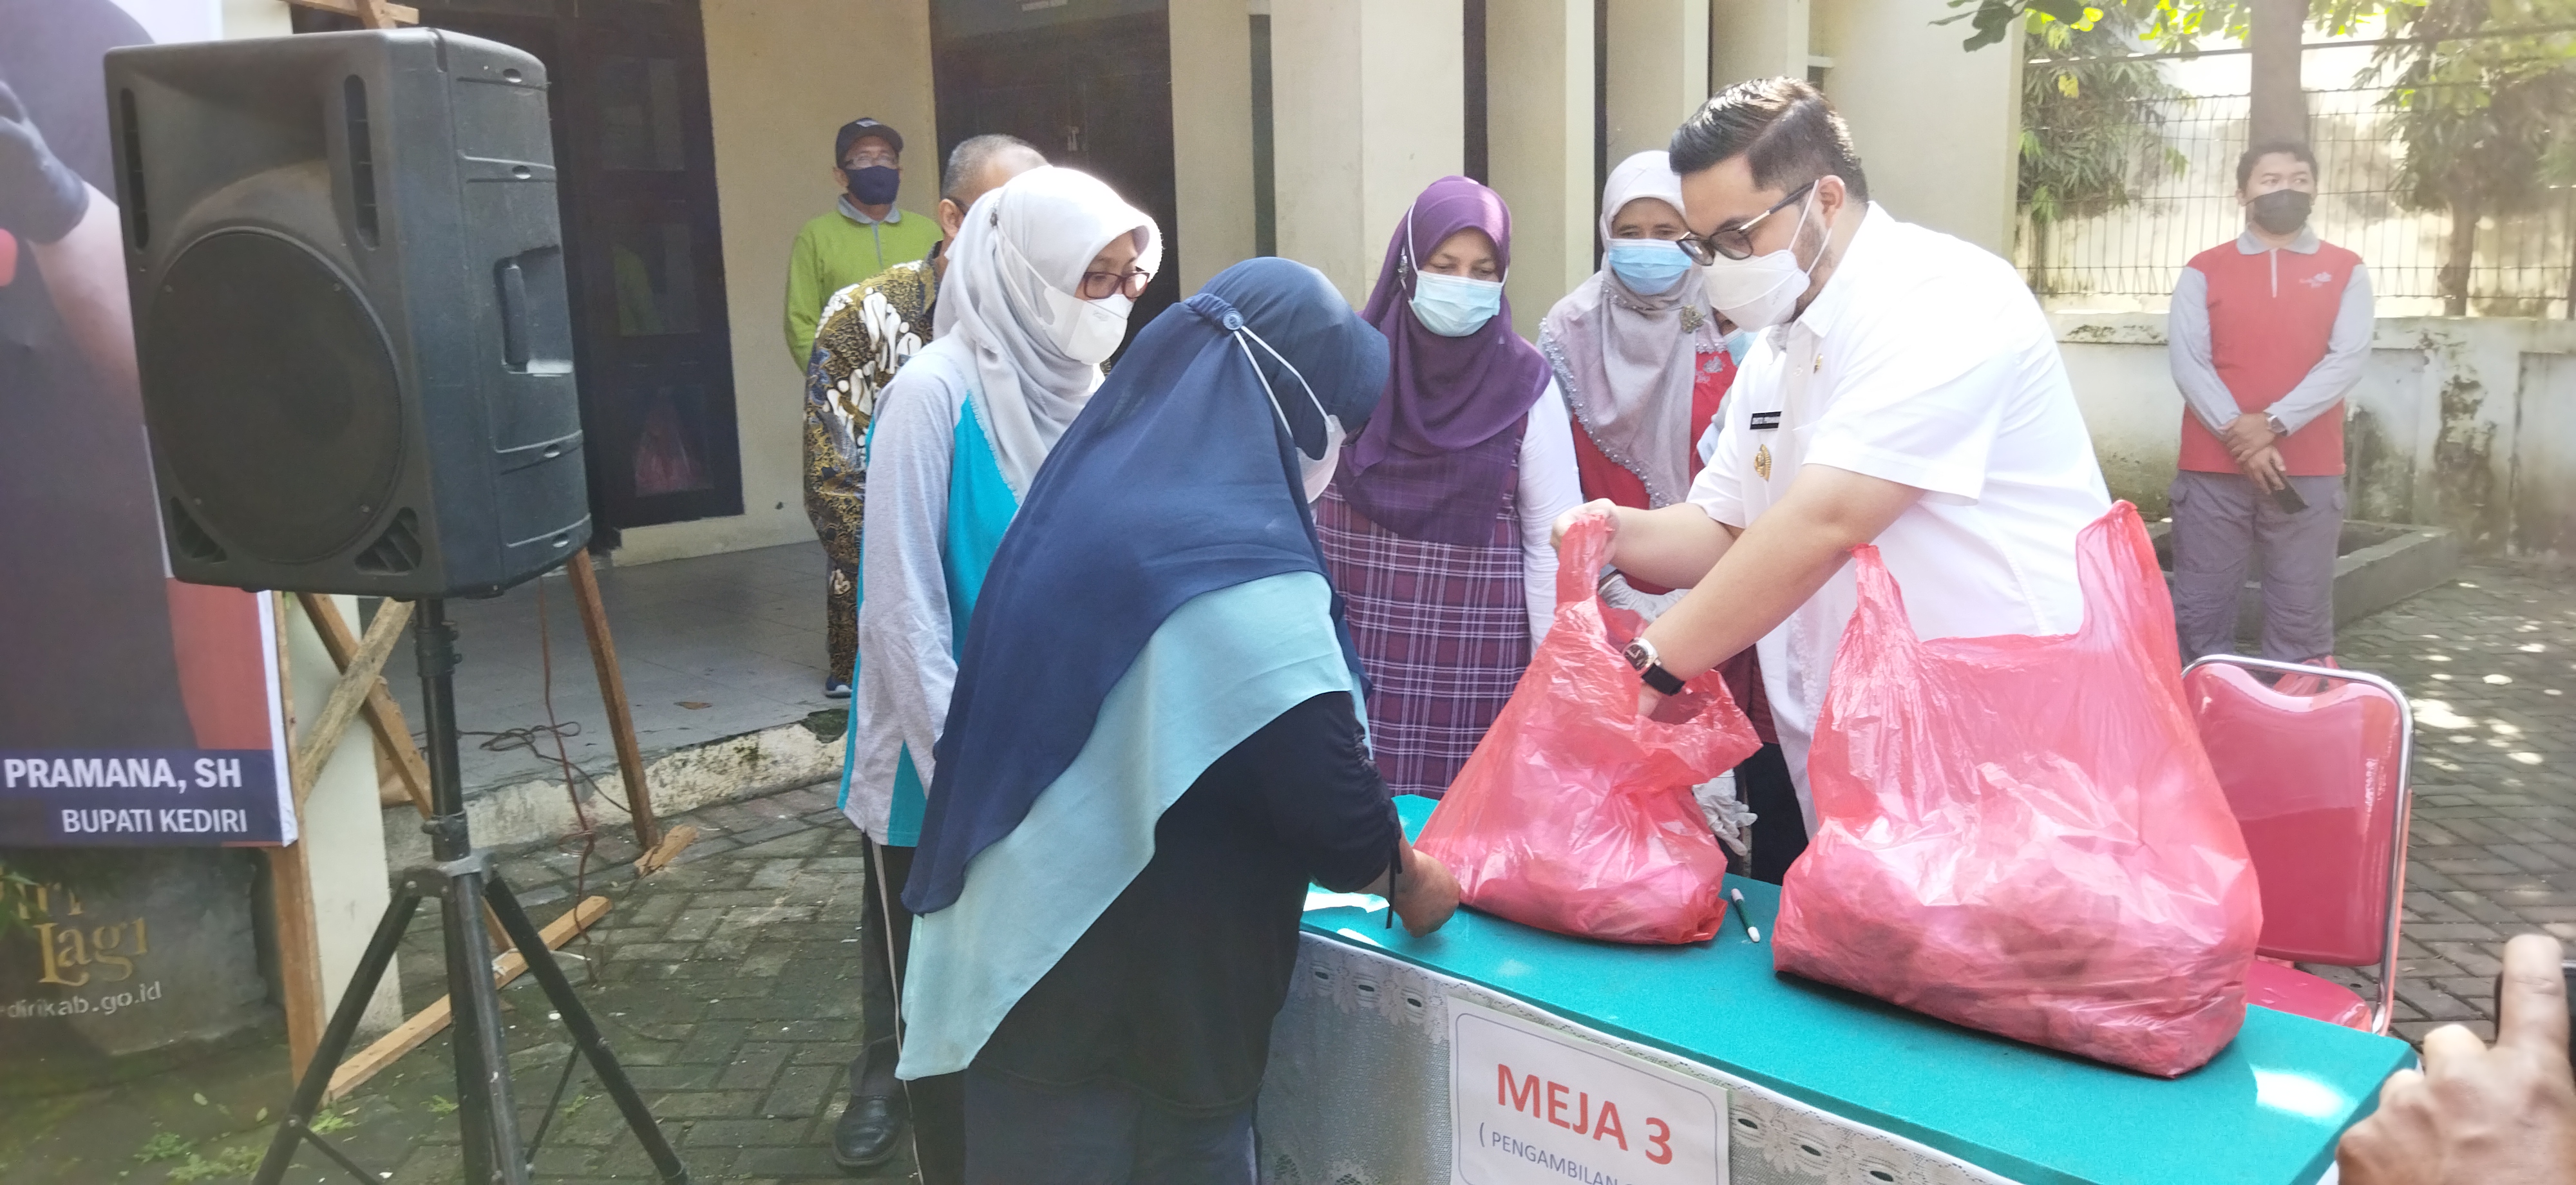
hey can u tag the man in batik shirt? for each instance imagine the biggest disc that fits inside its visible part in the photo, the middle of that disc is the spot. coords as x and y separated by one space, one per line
868 330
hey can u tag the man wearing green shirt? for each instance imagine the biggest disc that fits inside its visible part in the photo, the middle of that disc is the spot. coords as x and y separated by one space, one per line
865 236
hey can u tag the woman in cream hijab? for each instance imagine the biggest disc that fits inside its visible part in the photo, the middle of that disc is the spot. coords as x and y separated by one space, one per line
1639 353
1039 285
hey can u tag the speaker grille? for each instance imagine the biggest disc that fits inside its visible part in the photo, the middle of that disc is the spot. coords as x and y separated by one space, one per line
261 357
188 539
397 551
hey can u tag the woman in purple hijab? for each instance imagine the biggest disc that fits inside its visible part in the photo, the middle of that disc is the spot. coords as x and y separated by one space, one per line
1436 528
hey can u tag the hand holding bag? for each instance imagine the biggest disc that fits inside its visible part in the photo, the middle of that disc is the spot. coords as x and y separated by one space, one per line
1575 814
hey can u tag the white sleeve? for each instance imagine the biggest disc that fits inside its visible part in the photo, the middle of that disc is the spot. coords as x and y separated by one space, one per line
1923 408
1549 486
1719 488
905 667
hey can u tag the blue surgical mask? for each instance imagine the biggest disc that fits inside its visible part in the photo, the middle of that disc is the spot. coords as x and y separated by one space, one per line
1649 267
1455 306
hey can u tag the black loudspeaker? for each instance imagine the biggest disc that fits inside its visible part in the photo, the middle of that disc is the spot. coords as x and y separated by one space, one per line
348 285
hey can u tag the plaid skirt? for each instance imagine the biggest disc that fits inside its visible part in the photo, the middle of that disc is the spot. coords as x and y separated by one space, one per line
1443 635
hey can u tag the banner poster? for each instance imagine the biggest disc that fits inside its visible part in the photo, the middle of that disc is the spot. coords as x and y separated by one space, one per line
134 710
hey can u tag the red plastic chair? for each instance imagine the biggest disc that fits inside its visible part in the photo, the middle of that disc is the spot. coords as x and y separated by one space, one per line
2319 783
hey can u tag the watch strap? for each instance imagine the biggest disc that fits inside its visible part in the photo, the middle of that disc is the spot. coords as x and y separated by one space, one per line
1664 682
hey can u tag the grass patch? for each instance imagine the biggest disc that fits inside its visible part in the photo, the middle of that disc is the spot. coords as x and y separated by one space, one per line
222 1166
165 1146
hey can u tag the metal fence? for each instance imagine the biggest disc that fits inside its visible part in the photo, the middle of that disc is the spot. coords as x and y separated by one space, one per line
2129 258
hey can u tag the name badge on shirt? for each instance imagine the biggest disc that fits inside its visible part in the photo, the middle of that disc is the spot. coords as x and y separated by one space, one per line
1765 421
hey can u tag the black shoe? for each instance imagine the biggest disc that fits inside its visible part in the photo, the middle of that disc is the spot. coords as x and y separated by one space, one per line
868 1133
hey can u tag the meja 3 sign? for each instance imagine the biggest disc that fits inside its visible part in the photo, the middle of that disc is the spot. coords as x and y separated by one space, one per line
1530 1105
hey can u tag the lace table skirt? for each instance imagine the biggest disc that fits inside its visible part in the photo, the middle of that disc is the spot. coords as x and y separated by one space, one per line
1358 1090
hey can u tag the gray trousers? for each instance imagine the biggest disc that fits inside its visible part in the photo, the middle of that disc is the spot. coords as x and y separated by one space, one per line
2220 520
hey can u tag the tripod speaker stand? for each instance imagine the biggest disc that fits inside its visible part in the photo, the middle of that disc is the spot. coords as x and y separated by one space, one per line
463 880
346 268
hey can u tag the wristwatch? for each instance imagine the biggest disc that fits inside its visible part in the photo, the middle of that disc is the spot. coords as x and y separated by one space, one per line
1650 667
2274 423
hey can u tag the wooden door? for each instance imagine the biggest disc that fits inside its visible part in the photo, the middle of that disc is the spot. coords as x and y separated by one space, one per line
1095 95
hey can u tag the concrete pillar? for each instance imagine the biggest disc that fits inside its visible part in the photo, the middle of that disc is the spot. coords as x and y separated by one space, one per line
1539 112
1658 71
254 18
1938 128
1762 39
1211 136
1370 102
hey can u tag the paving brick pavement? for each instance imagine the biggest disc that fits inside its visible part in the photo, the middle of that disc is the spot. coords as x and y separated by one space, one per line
727 983
2489 663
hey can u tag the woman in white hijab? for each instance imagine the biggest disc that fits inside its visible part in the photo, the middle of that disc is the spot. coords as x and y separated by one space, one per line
1643 362
1039 284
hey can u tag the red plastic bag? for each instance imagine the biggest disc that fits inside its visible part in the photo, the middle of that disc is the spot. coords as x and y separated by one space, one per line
2022 834
1575 814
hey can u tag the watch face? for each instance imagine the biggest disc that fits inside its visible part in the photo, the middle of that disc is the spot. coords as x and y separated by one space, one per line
1638 656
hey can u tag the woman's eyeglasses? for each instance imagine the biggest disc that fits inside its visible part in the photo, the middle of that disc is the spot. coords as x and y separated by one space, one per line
1103 285
1737 242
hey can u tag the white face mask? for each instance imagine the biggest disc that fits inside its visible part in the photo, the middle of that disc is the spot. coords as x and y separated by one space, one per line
1088 331
1763 291
1315 472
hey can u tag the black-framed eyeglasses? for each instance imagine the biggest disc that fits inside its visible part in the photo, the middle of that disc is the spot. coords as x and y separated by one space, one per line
1103 285
1736 242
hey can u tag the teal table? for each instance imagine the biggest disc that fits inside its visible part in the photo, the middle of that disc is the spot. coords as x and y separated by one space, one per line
1881 1094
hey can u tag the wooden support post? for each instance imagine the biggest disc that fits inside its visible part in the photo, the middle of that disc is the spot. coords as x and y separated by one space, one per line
396 753
299 942
373 14
384 716
612 695
428 1022
349 696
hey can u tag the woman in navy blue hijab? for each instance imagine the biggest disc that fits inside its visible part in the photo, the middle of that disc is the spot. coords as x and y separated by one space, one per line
1152 748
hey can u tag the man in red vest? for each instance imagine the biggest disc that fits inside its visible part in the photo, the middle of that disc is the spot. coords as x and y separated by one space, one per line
2268 334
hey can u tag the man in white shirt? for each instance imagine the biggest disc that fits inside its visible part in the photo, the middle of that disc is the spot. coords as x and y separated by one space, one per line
1904 390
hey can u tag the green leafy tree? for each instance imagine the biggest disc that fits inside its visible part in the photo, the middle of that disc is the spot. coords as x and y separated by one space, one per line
2092 124
2172 26
2486 115
2271 29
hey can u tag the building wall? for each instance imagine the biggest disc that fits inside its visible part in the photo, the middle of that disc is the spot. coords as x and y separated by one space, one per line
1539 106
1658 54
2463 423
1212 135
1368 106
1937 127
782 75
1757 39
1370 99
